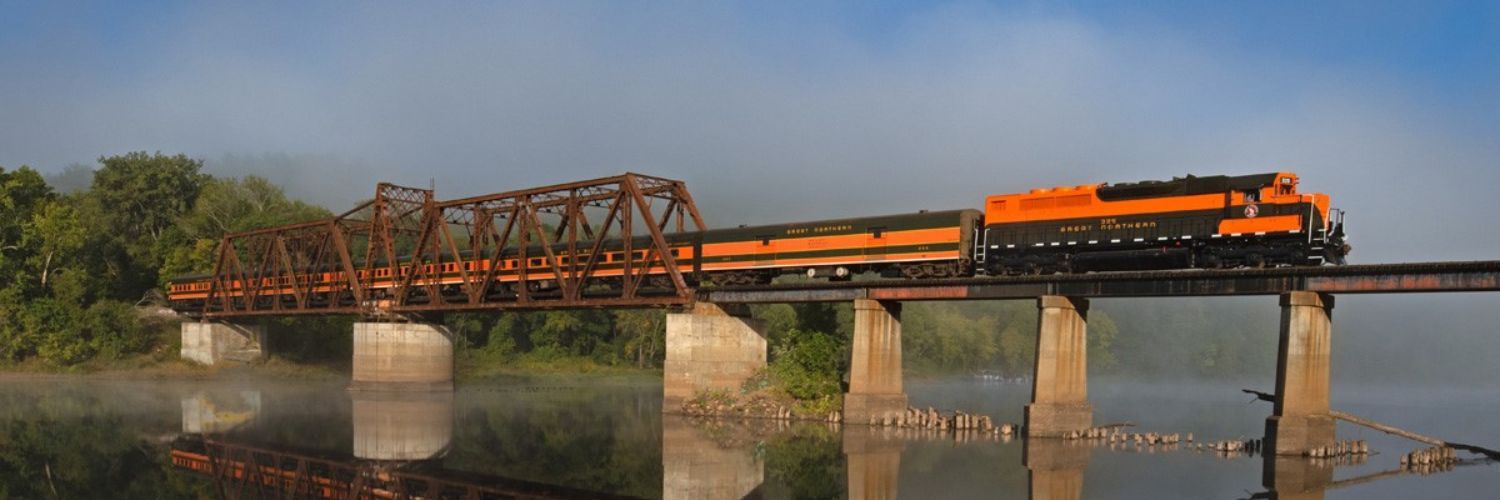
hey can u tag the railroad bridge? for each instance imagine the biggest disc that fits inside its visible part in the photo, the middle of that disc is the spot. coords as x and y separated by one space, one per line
404 258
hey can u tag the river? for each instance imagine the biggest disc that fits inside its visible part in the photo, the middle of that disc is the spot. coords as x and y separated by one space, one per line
91 438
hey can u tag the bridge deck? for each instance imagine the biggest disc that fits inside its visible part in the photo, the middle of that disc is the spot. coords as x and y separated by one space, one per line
1424 277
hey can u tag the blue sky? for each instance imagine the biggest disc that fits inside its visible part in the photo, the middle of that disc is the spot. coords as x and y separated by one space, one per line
774 111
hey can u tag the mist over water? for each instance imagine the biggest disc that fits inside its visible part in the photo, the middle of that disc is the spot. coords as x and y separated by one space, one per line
99 437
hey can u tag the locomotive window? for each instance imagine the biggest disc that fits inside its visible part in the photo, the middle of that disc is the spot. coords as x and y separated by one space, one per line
640 255
1252 196
536 262
765 241
674 252
877 232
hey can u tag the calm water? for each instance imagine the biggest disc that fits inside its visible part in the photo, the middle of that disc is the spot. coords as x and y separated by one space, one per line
96 439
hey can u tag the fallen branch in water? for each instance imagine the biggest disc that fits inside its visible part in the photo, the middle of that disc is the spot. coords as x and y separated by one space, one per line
1264 396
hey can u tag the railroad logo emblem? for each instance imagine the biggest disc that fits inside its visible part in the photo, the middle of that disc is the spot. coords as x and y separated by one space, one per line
1251 211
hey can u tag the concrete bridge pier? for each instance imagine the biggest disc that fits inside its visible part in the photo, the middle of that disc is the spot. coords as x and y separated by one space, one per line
875 363
710 347
1059 391
1301 418
213 342
402 356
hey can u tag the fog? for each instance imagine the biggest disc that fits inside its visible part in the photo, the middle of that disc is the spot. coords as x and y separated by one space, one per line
776 112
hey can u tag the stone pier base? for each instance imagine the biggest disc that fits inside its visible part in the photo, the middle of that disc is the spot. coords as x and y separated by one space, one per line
710 347
402 356
1301 419
1059 394
875 388
211 343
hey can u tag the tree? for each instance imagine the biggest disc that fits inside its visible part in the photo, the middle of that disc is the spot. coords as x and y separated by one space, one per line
227 206
137 200
644 332
58 234
22 193
145 194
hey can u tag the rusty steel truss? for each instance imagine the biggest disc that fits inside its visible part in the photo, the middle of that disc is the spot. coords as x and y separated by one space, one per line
405 252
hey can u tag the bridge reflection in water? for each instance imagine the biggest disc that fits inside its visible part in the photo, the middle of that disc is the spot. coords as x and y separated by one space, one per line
399 441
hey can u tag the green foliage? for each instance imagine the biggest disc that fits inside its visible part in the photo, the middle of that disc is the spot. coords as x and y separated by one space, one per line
228 206
135 202
808 367
808 461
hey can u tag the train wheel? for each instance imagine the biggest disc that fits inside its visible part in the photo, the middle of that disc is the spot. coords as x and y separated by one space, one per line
1255 261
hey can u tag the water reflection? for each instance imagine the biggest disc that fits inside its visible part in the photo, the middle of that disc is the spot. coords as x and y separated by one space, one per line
402 426
873 458
1296 478
713 462
219 411
126 439
1055 468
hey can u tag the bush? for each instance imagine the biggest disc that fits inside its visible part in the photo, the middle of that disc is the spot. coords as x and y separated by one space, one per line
807 366
114 330
57 328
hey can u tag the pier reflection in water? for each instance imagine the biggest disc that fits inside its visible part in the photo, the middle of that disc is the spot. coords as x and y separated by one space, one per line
710 462
402 426
1296 478
210 411
873 458
1055 468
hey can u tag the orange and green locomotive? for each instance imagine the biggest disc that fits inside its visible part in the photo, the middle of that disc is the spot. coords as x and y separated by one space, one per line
1191 222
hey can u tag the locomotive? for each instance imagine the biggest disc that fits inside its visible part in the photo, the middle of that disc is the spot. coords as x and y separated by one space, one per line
1187 222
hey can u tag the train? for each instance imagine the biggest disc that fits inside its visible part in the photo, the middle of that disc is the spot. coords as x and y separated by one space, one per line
1209 222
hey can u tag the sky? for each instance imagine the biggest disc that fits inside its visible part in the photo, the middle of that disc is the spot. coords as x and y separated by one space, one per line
784 111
